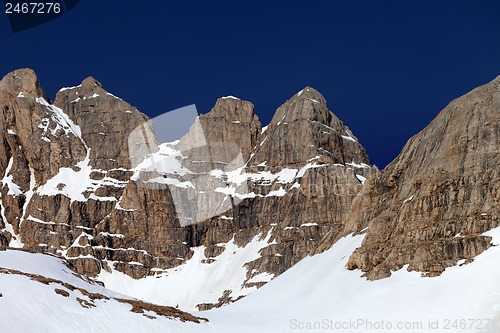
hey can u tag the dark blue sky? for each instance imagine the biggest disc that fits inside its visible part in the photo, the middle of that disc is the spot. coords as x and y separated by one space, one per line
386 68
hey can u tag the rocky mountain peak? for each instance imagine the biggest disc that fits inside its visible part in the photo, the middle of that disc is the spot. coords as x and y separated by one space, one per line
88 88
90 82
23 81
307 104
233 108
309 92
106 121
230 128
303 130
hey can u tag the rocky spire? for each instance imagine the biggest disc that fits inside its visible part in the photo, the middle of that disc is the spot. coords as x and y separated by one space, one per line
304 130
231 121
23 81
105 121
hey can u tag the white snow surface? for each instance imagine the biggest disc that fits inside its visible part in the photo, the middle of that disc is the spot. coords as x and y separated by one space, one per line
69 182
167 160
61 119
13 190
348 138
362 179
9 181
358 165
110 94
308 224
318 292
31 306
319 289
69 88
194 281
277 193
408 199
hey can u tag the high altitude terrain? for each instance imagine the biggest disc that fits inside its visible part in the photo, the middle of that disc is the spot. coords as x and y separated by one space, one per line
205 220
70 189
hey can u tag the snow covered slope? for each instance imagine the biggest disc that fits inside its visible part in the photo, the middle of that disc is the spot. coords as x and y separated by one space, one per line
40 293
320 294
199 278
316 295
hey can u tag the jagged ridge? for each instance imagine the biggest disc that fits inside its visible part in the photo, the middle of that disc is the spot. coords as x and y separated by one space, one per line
81 202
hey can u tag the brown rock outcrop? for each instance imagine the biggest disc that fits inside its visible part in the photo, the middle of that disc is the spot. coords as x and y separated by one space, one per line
429 208
302 130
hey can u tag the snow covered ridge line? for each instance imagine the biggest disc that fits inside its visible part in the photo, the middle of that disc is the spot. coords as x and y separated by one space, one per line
69 88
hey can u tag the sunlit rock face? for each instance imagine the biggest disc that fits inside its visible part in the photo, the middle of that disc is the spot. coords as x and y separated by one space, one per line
78 183
429 208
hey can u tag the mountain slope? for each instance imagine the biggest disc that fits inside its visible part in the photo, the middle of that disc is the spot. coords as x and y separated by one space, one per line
40 293
415 247
319 294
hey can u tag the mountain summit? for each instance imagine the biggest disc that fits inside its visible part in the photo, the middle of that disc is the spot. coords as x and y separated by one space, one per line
303 130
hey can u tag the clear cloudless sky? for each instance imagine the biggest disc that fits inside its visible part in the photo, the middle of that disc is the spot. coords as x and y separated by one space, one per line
385 67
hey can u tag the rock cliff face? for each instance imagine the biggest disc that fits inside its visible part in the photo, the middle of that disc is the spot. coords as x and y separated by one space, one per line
233 204
429 207
228 189
304 130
